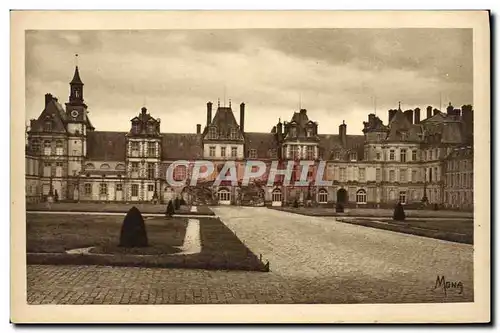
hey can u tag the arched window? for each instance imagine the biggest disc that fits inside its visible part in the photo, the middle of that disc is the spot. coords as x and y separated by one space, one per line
402 197
120 166
89 166
224 195
104 166
322 196
361 196
277 195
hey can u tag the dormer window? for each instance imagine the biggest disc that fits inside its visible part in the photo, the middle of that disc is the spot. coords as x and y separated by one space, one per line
353 156
212 132
150 128
404 136
336 155
293 131
234 133
309 132
35 145
48 126
253 153
135 127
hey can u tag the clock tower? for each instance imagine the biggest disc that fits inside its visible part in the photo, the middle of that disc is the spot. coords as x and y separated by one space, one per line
77 125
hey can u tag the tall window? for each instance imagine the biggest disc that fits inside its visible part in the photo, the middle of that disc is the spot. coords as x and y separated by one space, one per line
361 196
135 166
151 187
253 153
391 155
430 174
234 133
402 197
223 151
402 175
362 174
414 155
414 175
337 155
151 149
119 187
293 132
353 156
211 151
134 146
402 155
135 128
322 196
392 175
342 174
59 169
276 195
150 128
87 189
35 145
151 170
234 151
48 126
47 148
309 132
135 190
378 175
103 189
378 155
59 147
310 153
272 153
212 132
180 172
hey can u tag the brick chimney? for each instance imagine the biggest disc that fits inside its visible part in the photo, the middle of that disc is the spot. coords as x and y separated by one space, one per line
392 113
343 133
409 115
417 116
48 98
198 128
209 113
435 112
429 111
242 117
449 109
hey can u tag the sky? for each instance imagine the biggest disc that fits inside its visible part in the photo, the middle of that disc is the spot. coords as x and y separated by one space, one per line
336 74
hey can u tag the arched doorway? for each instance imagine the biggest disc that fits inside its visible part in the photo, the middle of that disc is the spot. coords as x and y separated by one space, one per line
323 196
342 196
276 197
224 196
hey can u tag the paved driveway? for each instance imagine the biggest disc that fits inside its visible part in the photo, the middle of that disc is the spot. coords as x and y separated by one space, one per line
313 260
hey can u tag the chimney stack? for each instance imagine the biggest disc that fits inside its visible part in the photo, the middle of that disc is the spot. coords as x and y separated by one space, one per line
409 115
343 133
392 113
209 113
242 117
48 98
417 116
435 112
198 128
429 111
449 109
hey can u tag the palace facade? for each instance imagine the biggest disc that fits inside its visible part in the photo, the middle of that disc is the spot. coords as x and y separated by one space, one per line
410 159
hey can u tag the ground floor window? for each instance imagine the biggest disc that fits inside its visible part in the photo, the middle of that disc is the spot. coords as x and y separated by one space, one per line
224 195
119 187
135 190
88 189
151 188
402 197
361 197
276 196
323 196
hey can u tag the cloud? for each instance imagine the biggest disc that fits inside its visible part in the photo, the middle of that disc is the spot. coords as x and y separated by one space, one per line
336 74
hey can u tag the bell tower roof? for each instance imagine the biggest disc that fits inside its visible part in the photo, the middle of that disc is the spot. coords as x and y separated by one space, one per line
76 77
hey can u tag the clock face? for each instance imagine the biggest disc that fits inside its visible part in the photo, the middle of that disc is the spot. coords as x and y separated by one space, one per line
74 113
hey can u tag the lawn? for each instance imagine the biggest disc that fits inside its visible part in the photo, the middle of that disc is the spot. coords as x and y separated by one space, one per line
50 236
457 230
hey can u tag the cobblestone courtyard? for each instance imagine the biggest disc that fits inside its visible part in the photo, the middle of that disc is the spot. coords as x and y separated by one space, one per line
313 260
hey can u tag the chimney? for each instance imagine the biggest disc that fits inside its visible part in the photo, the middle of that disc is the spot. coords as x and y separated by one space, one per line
209 113
371 118
435 112
417 116
48 98
409 115
343 133
198 128
143 110
242 117
467 117
429 111
449 109
303 111
392 113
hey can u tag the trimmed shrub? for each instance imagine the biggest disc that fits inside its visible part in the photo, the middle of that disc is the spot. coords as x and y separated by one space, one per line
133 232
170 209
399 213
177 203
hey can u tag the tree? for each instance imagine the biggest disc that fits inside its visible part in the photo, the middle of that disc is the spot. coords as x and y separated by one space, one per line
170 209
133 232
295 203
177 203
182 202
399 213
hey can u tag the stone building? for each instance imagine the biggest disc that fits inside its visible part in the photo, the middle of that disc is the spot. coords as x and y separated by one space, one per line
409 159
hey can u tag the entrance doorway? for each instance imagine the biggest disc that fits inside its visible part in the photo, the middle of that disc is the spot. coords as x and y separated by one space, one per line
342 196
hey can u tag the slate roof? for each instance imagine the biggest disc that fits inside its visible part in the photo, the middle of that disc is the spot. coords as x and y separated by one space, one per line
106 146
53 112
400 124
461 152
262 142
185 146
224 120
329 143
76 77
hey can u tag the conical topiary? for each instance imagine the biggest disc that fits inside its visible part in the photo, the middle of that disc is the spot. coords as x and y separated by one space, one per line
177 203
182 202
133 232
399 213
170 208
